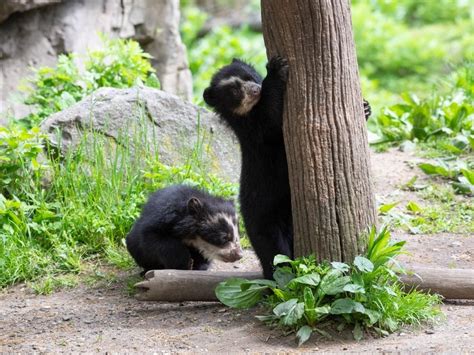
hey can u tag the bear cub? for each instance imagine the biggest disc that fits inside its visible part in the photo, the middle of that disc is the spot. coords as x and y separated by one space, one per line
253 108
184 228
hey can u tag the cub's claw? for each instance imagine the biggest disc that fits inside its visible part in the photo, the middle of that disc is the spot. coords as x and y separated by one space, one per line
367 109
278 66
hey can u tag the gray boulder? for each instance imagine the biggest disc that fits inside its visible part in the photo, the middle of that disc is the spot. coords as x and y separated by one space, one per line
151 119
8 7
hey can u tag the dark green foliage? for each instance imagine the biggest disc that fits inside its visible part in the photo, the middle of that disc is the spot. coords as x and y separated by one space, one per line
364 295
448 116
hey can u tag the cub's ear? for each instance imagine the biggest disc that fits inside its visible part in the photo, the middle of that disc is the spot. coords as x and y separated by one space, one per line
235 60
209 96
194 206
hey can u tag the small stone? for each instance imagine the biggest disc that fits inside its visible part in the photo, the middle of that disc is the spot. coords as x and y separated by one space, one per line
429 331
66 318
455 244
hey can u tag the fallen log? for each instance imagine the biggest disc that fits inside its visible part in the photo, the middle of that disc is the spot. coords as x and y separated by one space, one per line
187 285
449 283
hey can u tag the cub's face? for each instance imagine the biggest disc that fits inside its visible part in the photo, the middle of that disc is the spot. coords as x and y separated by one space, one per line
235 89
217 235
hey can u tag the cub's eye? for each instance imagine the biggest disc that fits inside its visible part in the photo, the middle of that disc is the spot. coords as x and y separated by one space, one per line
235 91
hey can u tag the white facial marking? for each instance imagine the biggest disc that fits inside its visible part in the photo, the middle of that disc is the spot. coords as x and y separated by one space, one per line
248 102
212 252
209 251
231 80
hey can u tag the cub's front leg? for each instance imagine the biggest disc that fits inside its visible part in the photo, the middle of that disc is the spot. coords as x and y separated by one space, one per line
273 91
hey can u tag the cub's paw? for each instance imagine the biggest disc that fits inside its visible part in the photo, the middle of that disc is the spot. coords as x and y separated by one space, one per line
278 66
367 109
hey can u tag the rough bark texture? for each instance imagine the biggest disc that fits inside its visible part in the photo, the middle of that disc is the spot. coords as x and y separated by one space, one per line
324 126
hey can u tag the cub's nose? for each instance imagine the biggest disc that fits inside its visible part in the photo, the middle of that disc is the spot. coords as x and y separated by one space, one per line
255 89
235 254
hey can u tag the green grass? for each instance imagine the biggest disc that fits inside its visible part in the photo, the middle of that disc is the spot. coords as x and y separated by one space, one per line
439 210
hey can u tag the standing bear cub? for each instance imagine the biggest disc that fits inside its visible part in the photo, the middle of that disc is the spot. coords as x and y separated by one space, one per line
253 108
184 228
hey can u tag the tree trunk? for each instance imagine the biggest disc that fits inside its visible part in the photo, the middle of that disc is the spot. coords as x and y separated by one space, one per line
324 125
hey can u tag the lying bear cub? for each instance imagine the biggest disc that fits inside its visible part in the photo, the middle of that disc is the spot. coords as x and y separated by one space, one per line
184 228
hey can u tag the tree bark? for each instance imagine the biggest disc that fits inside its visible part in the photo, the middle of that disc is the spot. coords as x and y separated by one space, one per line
324 126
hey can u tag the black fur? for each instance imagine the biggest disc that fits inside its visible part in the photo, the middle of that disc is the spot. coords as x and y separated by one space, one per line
172 219
264 187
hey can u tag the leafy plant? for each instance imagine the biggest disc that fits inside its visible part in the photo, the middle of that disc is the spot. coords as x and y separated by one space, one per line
120 63
417 119
20 166
305 294
459 172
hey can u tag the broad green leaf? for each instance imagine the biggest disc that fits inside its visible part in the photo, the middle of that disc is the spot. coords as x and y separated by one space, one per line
282 295
323 309
383 209
281 259
261 282
414 207
432 169
230 293
469 175
363 264
390 324
308 296
463 188
343 267
289 312
283 276
285 307
333 283
346 306
312 279
353 288
303 334
374 316
309 304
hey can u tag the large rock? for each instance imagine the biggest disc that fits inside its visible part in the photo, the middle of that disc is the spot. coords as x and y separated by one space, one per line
8 7
163 122
35 38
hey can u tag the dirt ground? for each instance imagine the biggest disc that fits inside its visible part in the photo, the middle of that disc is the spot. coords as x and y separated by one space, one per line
106 319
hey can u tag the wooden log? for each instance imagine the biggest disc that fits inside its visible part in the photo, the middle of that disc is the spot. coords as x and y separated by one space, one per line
187 285
449 283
